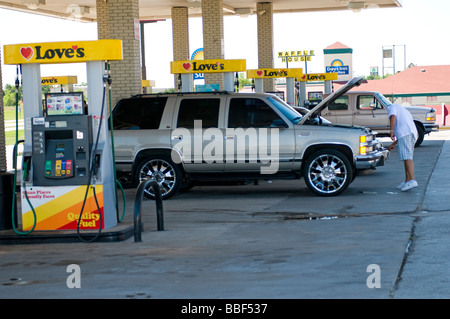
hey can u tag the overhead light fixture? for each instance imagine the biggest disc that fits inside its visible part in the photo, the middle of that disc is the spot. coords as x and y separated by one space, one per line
194 5
243 12
356 6
33 4
77 11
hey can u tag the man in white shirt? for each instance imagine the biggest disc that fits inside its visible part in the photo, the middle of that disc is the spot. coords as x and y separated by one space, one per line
403 133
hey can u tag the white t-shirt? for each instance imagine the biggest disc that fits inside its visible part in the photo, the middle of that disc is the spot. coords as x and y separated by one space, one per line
404 123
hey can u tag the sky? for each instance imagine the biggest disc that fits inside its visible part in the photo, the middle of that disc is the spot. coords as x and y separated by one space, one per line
418 31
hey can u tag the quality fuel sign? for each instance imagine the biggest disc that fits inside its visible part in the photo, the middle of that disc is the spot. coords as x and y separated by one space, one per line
63 52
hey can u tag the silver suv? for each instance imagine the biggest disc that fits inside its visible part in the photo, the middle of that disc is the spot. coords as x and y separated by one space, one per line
177 139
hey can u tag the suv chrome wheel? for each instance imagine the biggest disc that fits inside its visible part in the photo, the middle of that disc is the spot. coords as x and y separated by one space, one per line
162 170
328 172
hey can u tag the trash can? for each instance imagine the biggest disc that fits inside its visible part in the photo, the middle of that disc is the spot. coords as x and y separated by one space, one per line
6 197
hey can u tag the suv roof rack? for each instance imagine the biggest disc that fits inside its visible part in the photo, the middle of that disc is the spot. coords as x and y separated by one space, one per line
182 93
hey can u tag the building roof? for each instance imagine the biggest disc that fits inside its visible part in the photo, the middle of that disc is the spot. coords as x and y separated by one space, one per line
337 45
415 80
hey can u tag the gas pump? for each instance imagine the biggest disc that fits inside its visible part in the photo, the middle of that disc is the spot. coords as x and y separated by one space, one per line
68 171
61 144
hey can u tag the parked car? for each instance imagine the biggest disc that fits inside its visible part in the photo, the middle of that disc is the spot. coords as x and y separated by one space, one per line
366 108
183 137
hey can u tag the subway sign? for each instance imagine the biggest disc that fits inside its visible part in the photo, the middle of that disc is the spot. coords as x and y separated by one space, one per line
63 52
207 66
274 73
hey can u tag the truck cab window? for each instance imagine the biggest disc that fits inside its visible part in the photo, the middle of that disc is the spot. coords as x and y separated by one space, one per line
341 103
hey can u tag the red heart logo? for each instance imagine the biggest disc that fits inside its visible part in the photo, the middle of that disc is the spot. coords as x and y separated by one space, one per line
259 73
75 47
27 52
304 77
187 66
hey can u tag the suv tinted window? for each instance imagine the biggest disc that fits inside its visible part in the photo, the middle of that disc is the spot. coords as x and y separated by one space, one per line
249 112
139 113
206 110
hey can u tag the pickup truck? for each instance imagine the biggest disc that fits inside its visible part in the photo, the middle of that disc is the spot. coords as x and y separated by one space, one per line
369 109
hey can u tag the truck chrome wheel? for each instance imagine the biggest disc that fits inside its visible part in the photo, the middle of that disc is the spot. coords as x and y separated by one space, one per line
328 172
162 170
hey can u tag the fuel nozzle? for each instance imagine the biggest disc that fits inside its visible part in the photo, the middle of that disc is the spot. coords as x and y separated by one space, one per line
26 166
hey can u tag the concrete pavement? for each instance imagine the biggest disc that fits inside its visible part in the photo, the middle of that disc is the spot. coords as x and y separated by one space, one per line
274 240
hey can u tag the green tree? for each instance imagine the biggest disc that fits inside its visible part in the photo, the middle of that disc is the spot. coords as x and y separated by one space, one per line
45 89
9 95
243 81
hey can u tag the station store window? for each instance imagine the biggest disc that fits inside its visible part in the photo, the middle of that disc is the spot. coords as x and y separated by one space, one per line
431 98
407 99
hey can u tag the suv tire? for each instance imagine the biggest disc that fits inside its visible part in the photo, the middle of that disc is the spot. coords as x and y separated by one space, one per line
327 172
164 171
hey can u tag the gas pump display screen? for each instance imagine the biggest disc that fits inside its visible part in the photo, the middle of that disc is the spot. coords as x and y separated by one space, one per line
64 103
315 96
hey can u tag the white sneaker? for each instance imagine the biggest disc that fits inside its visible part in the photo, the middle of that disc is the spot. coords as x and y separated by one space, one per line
401 185
410 184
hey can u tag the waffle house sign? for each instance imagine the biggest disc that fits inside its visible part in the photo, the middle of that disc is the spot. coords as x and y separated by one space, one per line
296 56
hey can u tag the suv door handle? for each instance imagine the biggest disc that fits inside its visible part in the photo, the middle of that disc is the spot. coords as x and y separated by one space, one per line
228 137
177 137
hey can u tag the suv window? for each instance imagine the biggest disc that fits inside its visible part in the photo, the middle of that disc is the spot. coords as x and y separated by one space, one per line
139 113
368 102
250 112
341 103
206 110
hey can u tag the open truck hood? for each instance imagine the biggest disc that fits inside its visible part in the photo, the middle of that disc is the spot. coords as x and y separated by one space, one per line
333 96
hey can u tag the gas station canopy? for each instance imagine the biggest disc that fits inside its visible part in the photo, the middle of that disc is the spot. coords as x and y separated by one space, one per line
85 10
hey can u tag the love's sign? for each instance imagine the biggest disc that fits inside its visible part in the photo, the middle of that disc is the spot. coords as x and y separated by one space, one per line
63 52
318 77
274 73
207 66
53 80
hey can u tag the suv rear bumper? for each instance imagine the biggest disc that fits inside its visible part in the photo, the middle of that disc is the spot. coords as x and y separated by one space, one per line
371 160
